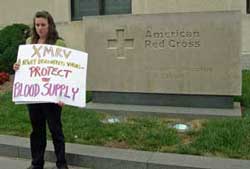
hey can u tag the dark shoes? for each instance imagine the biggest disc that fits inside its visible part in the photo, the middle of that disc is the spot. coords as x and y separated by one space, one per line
62 167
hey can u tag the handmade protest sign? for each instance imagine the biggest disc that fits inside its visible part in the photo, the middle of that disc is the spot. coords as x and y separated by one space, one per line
50 73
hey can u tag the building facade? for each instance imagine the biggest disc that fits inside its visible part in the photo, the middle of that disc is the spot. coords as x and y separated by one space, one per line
68 13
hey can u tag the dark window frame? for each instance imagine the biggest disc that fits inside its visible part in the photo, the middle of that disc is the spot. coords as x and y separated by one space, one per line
101 9
248 7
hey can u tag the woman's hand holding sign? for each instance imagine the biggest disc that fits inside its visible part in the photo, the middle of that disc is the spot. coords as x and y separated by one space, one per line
60 103
16 66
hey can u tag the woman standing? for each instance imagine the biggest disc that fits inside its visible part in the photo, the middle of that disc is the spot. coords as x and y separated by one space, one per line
44 32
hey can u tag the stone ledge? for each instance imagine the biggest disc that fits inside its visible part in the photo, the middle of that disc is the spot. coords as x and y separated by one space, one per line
97 157
165 111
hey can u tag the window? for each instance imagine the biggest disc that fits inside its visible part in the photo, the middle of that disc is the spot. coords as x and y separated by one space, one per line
81 8
248 6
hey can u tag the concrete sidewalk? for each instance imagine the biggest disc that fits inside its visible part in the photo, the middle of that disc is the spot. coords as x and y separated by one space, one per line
97 157
13 163
18 163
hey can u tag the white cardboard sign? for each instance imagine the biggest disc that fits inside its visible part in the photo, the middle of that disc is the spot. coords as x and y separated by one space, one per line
50 73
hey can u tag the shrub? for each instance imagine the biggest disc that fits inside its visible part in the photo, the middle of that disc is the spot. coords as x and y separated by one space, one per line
10 38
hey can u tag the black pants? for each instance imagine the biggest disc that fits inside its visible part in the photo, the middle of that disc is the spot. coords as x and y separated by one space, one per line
39 114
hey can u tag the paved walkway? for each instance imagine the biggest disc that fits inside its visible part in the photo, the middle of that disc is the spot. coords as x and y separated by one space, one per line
18 163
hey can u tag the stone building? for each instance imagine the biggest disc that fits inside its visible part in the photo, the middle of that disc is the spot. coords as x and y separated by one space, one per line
68 13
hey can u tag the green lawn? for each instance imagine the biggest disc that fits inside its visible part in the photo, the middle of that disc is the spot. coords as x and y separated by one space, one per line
228 137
